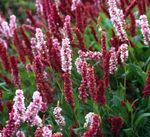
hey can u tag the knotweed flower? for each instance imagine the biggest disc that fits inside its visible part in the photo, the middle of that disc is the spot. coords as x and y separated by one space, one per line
75 4
66 54
55 57
143 22
3 42
58 117
105 59
7 30
31 114
68 91
101 98
16 116
19 46
58 134
67 27
91 81
81 66
90 55
43 87
93 120
20 134
113 62
123 50
146 91
19 107
117 19
39 7
4 57
40 39
44 131
15 71
12 24
57 3
117 123
47 132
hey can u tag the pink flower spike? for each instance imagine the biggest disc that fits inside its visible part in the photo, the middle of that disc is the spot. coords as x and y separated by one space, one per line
113 62
117 19
31 114
123 49
20 134
143 22
66 54
75 3
58 117
93 122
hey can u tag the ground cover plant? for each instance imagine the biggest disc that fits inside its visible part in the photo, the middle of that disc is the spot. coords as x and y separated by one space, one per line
75 68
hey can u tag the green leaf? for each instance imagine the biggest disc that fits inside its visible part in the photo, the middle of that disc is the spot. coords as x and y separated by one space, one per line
140 118
129 106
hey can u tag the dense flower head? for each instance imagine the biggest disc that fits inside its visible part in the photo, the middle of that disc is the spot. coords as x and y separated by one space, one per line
39 7
143 22
58 134
93 120
4 57
67 27
16 116
101 98
20 134
55 57
117 19
123 49
19 106
81 66
47 132
66 55
113 62
90 55
12 24
31 114
117 123
91 82
40 38
15 71
75 4
7 29
68 91
58 117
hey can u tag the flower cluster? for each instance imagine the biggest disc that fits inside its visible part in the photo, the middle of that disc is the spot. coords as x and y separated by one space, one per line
31 114
7 30
117 123
123 49
143 22
90 55
16 116
20 134
66 54
40 38
58 117
39 7
93 120
75 4
117 19
81 66
113 62
46 131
